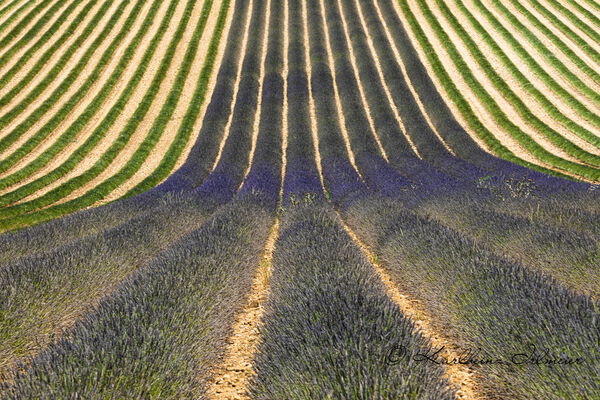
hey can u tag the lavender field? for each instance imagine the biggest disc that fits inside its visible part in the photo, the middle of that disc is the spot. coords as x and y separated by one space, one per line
281 199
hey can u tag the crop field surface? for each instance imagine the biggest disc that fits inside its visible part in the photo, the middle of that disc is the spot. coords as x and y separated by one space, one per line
300 199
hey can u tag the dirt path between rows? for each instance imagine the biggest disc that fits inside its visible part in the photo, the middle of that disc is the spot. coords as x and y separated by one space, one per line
231 377
460 376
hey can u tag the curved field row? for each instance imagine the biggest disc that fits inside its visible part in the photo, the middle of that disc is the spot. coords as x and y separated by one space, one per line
179 116
544 34
460 84
401 240
495 86
136 73
36 38
28 131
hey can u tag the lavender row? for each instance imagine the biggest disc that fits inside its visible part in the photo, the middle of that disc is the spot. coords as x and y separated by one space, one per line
162 330
329 327
541 338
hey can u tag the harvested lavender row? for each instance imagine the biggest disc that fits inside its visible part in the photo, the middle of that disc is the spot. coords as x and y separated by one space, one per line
160 333
329 325
544 336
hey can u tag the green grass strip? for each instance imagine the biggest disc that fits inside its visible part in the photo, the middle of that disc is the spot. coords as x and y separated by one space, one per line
19 11
183 135
44 39
91 110
526 85
167 162
566 50
505 89
569 32
18 131
474 123
549 56
130 128
30 35
58 117
6 40
565 11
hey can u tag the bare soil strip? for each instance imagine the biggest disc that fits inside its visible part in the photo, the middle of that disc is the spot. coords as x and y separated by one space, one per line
504 137
504 104
338 101
460 376
47 93
361 90
96 87
231 378
311 101
129 110
533 80
284 117
568 41
25 67
575 90
549 44
236 86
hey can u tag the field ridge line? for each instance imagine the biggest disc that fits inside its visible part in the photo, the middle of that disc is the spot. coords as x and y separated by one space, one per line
336 94
261 80
359 83
405 74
